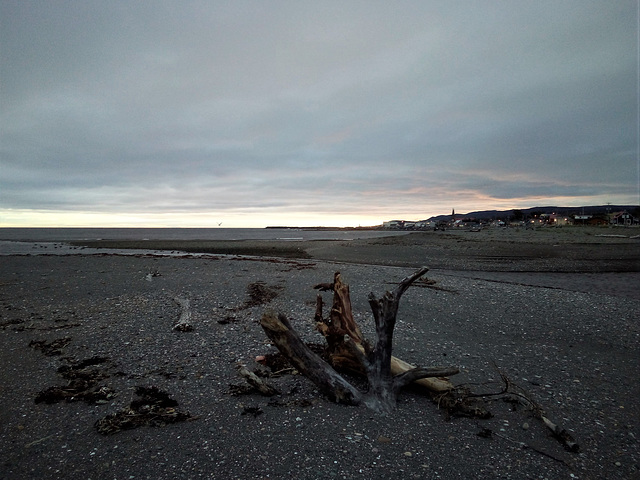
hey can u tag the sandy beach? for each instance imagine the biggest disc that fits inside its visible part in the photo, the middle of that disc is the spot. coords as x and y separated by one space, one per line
556 312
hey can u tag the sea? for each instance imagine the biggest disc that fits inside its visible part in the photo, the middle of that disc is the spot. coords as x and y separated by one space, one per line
15 241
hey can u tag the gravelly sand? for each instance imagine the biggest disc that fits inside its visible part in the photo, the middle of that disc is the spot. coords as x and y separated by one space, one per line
572 346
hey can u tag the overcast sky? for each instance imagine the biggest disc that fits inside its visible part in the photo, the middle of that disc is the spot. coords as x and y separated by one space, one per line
169 113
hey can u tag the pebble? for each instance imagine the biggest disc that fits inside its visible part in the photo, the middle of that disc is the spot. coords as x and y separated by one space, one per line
525 426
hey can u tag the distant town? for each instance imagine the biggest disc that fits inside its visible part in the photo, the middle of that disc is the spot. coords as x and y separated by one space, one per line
604 215
600 215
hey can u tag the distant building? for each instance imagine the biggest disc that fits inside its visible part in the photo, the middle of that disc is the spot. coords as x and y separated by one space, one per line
581 219
559 220
393 224
623 218
409 225
425 225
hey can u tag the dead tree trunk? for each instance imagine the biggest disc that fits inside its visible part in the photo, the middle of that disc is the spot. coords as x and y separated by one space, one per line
341 324
330 382
346 342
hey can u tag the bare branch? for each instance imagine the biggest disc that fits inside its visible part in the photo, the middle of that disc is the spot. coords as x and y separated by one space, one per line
330 382
256 382
410 376
406 282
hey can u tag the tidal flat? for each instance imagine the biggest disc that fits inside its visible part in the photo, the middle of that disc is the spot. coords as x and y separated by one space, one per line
555 313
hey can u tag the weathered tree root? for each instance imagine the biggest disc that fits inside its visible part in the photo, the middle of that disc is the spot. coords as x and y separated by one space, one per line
349 351
341 323
348 348
513 391
523 396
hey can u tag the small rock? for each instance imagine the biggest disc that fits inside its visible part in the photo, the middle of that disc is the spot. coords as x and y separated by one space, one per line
383 439
525 426
408 454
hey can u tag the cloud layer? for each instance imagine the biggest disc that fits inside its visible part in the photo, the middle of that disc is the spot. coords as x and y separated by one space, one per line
256 113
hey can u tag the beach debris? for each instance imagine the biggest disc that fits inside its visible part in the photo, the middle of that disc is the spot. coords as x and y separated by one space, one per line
13 322
522 396
228 319
278 364
561 435
52 348
76 390
184 322
153 273
83 384
81 369
154 408
349 350
255 411
432 284
257 383
341 323
515 394
459 401
260 293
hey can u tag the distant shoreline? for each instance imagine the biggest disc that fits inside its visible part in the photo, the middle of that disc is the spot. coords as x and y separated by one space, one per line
331 229
495 250
68 234
561 249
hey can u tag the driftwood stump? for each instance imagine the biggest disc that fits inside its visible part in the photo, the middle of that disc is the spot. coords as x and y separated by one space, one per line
341 323
387 375
348 349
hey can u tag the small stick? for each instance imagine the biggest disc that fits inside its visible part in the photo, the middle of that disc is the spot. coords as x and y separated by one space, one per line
35 442
256 382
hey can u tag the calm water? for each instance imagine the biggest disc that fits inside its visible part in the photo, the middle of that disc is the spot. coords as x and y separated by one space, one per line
70 234
51 241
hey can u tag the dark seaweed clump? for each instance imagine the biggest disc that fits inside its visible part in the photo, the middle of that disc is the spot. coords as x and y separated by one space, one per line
154 408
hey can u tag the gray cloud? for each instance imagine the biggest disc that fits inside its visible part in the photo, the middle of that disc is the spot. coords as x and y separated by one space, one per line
366 108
